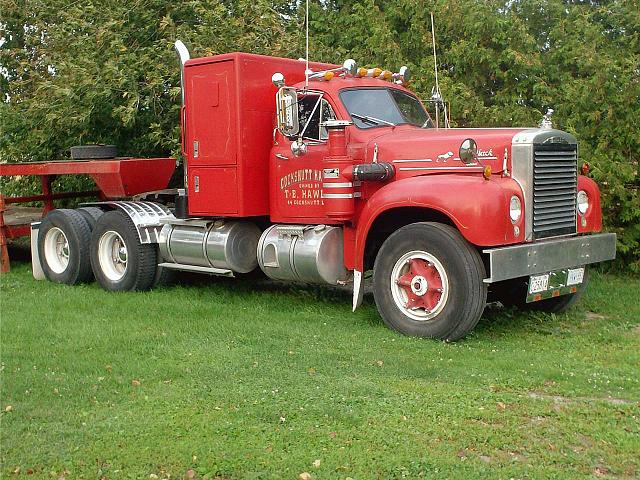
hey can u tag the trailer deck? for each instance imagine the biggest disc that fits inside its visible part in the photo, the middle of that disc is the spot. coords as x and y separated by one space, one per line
114 178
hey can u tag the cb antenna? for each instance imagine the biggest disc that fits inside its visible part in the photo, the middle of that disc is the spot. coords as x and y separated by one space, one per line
436 94
306 69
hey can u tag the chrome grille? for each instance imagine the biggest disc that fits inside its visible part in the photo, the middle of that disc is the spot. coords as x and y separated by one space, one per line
555 179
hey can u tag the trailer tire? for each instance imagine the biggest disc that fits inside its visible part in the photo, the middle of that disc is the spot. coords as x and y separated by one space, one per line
513 293
163 276
119 260
91 215
63 247
428 282
92 152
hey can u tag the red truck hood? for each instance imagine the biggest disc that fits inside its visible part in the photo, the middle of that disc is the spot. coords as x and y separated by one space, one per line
417 151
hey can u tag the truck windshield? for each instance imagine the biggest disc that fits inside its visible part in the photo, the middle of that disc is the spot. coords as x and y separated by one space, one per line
372 107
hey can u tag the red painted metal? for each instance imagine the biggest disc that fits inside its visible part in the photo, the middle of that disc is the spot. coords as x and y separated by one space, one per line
115 178
431 297
477 207
593 217
52 196
230 112
338 191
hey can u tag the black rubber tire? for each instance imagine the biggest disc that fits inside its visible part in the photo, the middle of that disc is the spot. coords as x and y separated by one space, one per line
142 259
163 277
78 234
513 293
463 266
91 215
90 152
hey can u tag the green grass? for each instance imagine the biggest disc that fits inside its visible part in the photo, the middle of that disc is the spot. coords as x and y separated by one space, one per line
235 380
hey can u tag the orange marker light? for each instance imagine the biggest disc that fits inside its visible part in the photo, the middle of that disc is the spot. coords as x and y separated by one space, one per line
362 72
486 172
328 75
585 168
376 72
386 75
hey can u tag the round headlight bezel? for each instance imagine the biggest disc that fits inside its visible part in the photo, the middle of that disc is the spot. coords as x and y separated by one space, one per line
515 209
582 202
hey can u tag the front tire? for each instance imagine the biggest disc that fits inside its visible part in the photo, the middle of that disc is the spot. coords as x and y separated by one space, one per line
428 282
63 247
119 260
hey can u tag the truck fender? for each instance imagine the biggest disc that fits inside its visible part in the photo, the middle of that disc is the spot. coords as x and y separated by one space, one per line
148 217
478 208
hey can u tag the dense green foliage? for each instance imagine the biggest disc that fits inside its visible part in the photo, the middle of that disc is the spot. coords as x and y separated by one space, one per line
220 378
104 71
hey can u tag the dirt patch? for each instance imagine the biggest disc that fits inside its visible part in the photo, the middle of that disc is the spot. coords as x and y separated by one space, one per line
560 400
594 316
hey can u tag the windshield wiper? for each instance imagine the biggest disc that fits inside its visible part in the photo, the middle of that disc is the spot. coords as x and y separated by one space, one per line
374 120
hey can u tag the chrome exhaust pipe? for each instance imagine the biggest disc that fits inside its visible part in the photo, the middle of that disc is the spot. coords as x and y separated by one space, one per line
183 53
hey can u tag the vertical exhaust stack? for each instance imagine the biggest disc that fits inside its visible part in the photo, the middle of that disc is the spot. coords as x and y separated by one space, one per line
181 199
183 53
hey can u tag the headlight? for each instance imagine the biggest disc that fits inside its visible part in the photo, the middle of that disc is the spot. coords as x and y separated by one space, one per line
582 202
515 209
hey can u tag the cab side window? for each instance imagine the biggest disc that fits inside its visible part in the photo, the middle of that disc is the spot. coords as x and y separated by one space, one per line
313 119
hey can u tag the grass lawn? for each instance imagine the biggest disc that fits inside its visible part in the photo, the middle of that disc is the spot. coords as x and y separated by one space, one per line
224 379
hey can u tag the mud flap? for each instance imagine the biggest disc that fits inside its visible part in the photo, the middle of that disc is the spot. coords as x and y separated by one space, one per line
36 266
358 289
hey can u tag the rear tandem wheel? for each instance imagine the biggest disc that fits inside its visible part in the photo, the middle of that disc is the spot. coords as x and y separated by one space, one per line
119 260
63 247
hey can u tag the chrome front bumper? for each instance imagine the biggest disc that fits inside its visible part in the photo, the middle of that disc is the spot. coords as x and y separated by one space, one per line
547 255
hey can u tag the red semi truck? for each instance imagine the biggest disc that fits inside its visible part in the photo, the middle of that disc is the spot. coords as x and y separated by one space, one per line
340 173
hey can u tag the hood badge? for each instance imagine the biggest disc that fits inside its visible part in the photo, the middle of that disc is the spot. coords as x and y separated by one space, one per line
546 123
444 157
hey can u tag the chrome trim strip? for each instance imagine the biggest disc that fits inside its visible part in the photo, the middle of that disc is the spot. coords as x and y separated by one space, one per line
195 268
341 195
548 255
419 160
453 169
337 185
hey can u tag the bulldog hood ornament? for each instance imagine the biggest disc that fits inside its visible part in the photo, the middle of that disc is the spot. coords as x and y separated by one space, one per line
546 120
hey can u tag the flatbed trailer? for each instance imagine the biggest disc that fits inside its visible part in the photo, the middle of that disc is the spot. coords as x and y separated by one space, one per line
114 178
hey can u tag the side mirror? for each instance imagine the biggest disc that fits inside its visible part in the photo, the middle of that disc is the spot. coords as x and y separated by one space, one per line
468 151
287 111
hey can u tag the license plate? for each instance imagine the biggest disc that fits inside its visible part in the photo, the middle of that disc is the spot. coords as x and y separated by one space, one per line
575 276
538 283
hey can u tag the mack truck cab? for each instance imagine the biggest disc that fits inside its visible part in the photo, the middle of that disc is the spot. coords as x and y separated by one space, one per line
320 173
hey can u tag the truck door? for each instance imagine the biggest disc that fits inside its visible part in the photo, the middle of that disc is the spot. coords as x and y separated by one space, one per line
298 189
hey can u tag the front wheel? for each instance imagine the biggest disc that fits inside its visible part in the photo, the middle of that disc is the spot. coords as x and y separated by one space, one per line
428 282
119 260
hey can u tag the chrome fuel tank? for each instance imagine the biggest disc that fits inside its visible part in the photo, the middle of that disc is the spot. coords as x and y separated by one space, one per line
228 245
303 253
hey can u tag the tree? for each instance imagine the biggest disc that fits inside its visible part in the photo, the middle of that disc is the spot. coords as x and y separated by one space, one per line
104 71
